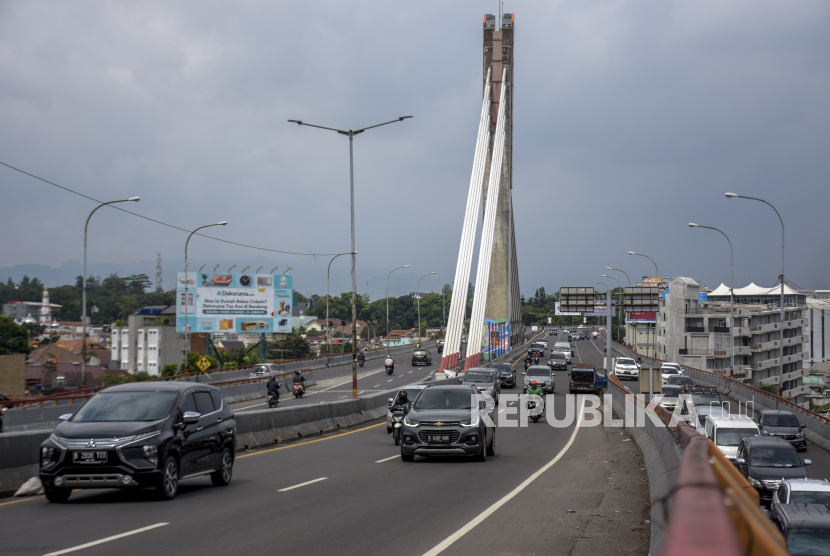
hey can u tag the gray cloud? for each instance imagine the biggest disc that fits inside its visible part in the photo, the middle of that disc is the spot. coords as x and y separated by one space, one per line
631 119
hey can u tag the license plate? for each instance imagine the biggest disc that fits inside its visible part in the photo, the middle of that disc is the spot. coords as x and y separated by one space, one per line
440 438
89 457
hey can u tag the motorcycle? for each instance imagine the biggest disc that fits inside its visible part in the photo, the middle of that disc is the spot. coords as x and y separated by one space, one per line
398 414
526 365
272 400
299 390
531 405
390 368
360 362
535 360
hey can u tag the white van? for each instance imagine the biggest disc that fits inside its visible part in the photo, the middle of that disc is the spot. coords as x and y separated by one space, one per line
727 432
565 348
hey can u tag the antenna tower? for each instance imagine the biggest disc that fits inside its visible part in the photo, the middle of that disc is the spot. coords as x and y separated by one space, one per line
158 274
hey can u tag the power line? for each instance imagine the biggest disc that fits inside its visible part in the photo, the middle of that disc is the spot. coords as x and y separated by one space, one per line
159 221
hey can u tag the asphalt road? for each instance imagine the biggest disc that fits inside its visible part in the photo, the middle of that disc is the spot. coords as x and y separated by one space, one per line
569 490
335 383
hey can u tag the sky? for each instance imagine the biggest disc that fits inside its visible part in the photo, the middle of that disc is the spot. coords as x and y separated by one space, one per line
631 119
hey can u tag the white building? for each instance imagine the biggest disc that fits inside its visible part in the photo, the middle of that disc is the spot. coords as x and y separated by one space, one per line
696 332
144 347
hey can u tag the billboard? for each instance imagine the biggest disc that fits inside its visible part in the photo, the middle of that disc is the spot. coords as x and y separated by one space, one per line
233 303
600 310
498 341
642 317
558 311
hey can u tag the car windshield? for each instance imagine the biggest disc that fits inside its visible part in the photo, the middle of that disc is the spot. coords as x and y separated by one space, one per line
670 392
624 361
774 457
478 376
126 406
260 368
808 541
668 371
810 497
538 372
561 349
433 398
733 437
557 355
677 379
421 352
411 394
780 420
705 399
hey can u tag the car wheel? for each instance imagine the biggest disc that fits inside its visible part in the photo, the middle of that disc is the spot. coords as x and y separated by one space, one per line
58 495
482 455
168 485
405 457
491 451
222 477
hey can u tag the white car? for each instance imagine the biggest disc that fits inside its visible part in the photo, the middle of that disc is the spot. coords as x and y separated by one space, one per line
543 342
669 369
625 367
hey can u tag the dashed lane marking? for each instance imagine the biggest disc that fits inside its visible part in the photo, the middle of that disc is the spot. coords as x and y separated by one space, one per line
302 484
108 539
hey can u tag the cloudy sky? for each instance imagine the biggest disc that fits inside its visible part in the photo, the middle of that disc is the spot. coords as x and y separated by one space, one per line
632 118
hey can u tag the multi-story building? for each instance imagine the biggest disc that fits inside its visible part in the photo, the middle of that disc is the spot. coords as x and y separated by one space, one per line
696 332
145 346
817 331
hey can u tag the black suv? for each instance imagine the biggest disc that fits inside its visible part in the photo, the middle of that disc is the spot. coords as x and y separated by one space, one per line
143 434
806 527
507 374
558 361
783 424
449 420
421 357
766 461
485 380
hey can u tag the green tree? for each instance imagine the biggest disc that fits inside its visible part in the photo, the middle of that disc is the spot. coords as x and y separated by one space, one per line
13 337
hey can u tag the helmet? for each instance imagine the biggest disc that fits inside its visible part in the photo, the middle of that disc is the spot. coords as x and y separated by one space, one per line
402 396
298 372
533 383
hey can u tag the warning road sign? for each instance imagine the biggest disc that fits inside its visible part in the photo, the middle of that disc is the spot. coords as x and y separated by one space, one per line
203 363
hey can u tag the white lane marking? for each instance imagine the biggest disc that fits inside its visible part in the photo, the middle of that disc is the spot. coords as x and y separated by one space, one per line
348 381
390 380
341 397
376 385
108 539
249 407
501 411
489 511
302 484
387 459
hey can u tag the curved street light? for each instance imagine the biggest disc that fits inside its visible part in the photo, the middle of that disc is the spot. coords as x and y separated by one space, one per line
187 295
656 272
618 270
615 307
83 324
731 295
328 324
735 195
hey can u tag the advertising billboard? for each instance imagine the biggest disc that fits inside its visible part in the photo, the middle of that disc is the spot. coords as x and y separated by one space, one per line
233 303
495 338
642 317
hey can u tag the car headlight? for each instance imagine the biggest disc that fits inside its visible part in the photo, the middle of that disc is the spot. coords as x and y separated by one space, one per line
471 422
765 433
46 455
410 423
151 453
799 435
755 483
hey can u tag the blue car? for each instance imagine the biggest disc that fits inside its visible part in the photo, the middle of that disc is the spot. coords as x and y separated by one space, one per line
581 336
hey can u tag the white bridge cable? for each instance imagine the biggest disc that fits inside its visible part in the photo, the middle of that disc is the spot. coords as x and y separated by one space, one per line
458 303
488 227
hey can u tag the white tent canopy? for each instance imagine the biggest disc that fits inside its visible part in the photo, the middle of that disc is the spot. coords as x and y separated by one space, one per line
753 289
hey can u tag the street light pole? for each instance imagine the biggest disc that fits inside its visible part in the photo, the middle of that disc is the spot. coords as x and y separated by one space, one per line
606 312
656 272
615 307
387 304
618 270
328 324
419 305
351 133
731 296
83 295
186 305
730 196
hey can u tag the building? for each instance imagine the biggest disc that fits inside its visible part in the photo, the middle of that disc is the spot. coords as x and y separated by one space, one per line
696 332
640 332
31 311
817 331
144 345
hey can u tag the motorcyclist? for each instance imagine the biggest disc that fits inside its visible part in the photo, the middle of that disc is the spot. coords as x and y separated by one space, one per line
274 387
298 378
403 400
390 362
528 361
534 390
361 357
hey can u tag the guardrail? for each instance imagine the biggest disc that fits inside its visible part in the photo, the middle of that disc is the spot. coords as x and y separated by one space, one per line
712 509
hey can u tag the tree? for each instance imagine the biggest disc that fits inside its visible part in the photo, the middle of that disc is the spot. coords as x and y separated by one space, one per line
13 337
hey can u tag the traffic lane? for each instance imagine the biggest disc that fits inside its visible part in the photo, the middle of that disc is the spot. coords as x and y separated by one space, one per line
356 493
369 384
345 369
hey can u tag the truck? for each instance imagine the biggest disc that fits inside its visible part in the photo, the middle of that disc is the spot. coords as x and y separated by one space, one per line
584 378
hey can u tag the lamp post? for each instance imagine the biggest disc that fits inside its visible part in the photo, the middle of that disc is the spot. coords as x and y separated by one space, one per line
83 324
351 133
606 313
735 195
328 324
618 270
257 270
731 296
387 304
656 272
615 308
419 305
186 294
443 305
